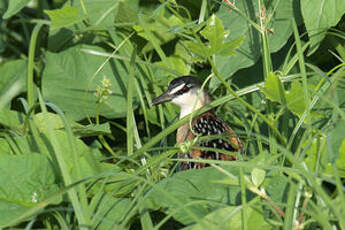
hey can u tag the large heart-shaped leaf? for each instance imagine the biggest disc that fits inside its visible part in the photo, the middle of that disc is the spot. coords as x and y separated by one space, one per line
249 51
179 192
12 80
25 180
73 78
319 16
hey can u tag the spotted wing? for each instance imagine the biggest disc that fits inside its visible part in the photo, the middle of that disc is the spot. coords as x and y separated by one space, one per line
209 125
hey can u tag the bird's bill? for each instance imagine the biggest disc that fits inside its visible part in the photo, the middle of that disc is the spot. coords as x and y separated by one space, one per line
165 97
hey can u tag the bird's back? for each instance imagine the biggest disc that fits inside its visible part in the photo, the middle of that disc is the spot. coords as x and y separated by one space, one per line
222 137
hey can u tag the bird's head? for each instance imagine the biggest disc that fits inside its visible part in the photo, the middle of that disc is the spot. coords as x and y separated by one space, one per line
184 92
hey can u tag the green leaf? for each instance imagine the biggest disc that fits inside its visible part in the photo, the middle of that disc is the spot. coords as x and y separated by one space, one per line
71 80
14 6
92 130
319 16
88 157
276 187
41 121
231 218
258 176
295 99
25 180
12 81
64 17
128 11
274 89
335 141
341 158
175 63
229 47
162 29
215 34
11 119
249 51
198 48
317 154
101 12
5 148
187 187
292 99
110 212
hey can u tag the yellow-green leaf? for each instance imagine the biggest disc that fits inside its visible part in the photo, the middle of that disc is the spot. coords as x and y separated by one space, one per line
295 99
274 89
214 32
258 176
64 17
341 158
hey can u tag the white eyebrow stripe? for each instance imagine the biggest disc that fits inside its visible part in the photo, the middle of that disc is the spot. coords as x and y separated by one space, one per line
174 90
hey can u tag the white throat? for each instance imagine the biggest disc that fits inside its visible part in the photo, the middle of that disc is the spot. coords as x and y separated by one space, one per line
190 102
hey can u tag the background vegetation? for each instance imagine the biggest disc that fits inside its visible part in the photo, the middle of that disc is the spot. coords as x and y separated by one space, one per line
80 148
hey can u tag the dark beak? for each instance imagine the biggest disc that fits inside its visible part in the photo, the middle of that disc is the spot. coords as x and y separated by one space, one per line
165 97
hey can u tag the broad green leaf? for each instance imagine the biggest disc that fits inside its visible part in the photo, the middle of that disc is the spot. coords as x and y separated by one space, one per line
41 121
11 119
72 80
120 183
25 180
12 80
3 7
128 11
184 188
198 48
215 34
229 47
335 141
14 6
258 176
231 218
295 99
100 12
274 89
89 157
5 148
174 63
319 16
249 51
276 188
64 17
341 158
162 30
110 212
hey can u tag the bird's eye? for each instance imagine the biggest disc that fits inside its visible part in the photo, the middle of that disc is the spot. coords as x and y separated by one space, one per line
183 90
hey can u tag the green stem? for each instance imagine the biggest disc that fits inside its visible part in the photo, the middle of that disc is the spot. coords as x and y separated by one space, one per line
130 115
231 91
212 105
32 48
202 11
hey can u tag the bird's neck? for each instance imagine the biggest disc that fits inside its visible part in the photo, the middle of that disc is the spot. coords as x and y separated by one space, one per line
194 104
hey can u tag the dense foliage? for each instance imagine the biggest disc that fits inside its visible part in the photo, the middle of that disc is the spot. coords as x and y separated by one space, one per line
81 148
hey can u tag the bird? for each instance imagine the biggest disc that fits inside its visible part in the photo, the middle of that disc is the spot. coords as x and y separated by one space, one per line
187 93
